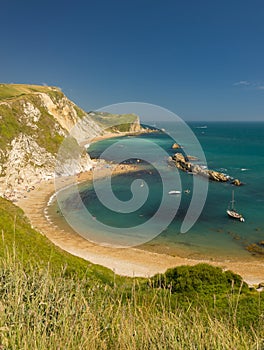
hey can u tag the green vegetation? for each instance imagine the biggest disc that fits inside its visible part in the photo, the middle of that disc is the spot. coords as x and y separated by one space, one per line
52 300
44 129
8 91
202 278
55 94
11 116
9 126
79 112
114 122
35 250
43 312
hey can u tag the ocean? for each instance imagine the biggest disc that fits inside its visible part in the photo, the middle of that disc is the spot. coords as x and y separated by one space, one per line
236 149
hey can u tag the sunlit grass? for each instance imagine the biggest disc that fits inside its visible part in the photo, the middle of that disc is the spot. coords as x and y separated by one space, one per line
8 91
51 300
43 311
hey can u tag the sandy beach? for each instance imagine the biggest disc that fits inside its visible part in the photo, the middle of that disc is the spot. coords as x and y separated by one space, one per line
123 261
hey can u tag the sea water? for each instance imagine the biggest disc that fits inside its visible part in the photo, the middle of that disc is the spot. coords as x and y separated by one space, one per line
236 149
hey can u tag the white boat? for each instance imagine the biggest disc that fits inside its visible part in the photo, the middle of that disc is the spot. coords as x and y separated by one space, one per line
175 192
232 213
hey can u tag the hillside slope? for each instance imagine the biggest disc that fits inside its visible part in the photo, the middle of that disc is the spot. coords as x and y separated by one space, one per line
33 249
50 299
117 122
34 120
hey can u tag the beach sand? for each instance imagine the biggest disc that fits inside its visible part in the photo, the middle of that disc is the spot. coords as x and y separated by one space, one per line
123 261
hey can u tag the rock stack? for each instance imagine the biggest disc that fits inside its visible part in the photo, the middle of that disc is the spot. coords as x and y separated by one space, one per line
184 164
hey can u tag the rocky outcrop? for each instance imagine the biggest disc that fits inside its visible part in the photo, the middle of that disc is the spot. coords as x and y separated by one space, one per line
34 125
175 146
64 111
184 164
256 248
34 121
118 123
135 127
237 182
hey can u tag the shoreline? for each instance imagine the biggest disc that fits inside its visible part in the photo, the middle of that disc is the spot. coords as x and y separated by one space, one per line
110 135
132 262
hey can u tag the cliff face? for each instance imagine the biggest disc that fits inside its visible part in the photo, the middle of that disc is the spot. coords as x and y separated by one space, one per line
117 122
32 127
34 120
135 126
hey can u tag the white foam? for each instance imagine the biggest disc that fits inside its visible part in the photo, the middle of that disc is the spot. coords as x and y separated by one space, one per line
51 199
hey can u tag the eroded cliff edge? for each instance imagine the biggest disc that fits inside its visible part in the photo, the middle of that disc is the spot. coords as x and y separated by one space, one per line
34 120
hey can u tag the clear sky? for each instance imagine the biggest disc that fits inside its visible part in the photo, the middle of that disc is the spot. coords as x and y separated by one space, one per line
203 60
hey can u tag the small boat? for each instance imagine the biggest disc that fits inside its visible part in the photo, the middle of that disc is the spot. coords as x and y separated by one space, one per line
175 192
232 213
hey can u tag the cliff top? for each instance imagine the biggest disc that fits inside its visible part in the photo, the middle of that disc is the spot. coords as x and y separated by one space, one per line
8 91
114 122
34 120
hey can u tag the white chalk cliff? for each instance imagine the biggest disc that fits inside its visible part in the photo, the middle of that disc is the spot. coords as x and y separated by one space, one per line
34 121
29 125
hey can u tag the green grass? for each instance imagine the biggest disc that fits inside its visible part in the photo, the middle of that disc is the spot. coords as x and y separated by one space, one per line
40 311
201 278
11 126
79 111
12 112
114 122
34 249
8 91
52 300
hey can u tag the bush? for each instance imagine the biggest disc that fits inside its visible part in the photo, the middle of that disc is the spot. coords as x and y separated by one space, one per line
201 278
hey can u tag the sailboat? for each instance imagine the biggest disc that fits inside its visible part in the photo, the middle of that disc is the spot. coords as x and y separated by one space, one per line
231 212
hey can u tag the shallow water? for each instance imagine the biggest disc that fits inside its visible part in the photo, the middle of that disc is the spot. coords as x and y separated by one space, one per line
233 148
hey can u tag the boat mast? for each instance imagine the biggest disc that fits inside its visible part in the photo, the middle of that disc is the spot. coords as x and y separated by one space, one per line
233 201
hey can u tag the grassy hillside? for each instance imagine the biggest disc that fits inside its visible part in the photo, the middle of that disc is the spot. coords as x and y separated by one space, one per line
13 121
114 122
35 250
8 91
11 125
13 98
52 300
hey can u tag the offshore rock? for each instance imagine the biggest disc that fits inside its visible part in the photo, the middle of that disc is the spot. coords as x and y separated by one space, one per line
255 248
217 176
184 164
237 182
175 146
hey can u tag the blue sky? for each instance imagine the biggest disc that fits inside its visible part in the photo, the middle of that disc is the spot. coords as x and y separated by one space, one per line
203 60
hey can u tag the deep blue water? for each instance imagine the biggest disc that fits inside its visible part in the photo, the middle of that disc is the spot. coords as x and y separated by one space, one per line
233 148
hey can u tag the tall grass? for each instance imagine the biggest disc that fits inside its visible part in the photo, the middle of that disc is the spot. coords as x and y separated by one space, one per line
41 311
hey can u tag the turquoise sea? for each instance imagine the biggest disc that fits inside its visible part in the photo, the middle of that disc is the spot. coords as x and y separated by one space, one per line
236 149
